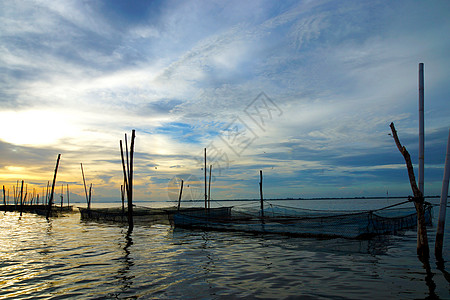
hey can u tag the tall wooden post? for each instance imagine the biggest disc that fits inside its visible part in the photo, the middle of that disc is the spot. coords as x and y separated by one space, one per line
422 239
421 130
62 193
21 199
16 194
46 195
442 208
90 197
84 182
50 201
125 173
206 194
4 195
68 200
127 156
261 193
130 183
179 197
209 187
122 195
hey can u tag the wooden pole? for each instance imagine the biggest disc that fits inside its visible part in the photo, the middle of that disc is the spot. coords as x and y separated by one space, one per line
26 194
127 156
125 174
261 193
179 197
46 195
90 197
4 195
50 201
130 183
422 239
17 193
122 194
209 187
84 181
21 199
421 130
442 208
206 195
68 201
62 193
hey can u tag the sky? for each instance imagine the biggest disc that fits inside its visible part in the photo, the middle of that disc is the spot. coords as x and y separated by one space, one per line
302 90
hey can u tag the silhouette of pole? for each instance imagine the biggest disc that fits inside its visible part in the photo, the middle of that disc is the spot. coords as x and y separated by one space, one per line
261 193
179 197
21 199
209 187
423 250
442 208
130 183
85 189
68 200
50 201
421 130
206 194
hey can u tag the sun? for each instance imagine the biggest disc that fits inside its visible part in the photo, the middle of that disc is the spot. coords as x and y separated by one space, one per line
35 127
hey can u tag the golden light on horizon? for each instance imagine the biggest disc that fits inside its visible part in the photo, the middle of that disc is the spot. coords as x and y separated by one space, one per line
34 127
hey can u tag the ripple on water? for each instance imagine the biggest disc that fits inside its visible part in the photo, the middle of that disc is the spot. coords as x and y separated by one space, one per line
66 258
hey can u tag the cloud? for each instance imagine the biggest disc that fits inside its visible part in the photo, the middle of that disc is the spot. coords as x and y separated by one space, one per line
76 76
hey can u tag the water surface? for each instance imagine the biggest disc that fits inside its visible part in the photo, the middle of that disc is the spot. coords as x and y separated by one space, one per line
69 258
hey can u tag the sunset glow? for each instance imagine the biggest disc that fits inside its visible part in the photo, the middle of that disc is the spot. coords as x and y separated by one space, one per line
303 90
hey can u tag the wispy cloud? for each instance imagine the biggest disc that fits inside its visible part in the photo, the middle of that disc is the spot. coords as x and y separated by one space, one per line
77 75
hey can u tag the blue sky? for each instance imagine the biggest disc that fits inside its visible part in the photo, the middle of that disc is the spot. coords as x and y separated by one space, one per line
304 90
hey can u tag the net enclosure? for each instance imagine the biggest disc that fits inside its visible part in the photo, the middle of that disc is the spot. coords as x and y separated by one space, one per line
306 222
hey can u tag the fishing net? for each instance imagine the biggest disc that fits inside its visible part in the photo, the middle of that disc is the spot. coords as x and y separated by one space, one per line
307 222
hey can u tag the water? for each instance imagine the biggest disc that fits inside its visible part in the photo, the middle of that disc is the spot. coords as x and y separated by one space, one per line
69 258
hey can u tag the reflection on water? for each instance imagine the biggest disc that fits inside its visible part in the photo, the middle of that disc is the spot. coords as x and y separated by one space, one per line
64 257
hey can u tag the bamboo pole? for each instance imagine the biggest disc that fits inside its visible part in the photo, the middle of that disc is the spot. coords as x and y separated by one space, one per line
261 193
21 199
209 187
46 195
122 194
17 193
126 155
206 195
50 201
90 197
130 183
423 250
125 174
68 200
62 193
179 197
443 205
421 130
84 182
